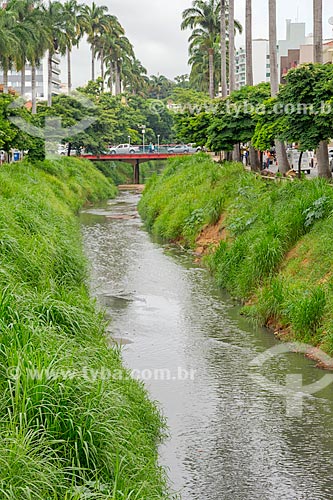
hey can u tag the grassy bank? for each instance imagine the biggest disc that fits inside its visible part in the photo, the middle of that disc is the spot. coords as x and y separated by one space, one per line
73 424
275 249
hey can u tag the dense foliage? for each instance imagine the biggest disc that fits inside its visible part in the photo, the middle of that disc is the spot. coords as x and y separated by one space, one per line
301 113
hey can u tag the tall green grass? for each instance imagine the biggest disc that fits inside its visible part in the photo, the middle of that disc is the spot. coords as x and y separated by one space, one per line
66 431
264 222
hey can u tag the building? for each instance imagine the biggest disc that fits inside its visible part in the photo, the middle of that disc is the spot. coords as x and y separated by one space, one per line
306 52
240 68
14 78
295 38
291 60
261 63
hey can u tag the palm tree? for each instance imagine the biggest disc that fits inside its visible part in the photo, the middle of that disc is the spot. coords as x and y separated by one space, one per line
232 76
9 42
199 61
95 22
253 154
18 28
322 151
203 18
25 33
74 30
135 79
56 21
284 166
157 84
318 31
123 50
36 50
248 42
223 39
107 41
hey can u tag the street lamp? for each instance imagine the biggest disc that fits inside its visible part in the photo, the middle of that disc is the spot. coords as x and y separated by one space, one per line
143 138
129 140
158 142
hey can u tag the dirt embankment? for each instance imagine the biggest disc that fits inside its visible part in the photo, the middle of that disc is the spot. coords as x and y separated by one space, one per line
210 237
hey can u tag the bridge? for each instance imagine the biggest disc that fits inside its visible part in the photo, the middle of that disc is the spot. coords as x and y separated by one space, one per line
134 159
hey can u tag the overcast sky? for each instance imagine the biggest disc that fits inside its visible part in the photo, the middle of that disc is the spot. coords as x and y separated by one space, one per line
153 27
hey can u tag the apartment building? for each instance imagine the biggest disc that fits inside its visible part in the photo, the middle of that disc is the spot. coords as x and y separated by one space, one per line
14 78
261 63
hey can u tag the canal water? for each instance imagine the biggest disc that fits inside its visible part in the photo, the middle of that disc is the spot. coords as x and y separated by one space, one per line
230 438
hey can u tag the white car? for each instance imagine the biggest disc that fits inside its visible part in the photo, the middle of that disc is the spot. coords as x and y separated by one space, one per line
330 156
307 160
124 149
193 148
179 148
63 150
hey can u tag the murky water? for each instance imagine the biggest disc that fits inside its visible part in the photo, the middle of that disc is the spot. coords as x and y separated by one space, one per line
230 438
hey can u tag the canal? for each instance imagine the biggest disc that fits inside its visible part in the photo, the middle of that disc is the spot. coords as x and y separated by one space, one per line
230 438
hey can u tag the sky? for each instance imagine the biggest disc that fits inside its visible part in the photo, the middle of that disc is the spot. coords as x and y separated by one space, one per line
153 27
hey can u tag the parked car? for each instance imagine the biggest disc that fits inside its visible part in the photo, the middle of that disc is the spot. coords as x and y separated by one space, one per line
193 148
179 148
63 150
124 149
330 156
307 160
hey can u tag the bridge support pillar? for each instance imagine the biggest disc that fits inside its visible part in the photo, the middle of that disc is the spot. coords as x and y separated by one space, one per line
137 172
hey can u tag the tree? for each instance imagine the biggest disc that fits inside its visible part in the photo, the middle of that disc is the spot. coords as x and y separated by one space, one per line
95 21
135 79
322 150
248 42
232 81
236 117
74 30
25 33
56 20
35 52
309 123
183 81
9 42
203 19
253 154
193 128
223 38
280 147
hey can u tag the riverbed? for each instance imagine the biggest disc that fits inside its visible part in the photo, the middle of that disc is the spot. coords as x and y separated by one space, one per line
230 438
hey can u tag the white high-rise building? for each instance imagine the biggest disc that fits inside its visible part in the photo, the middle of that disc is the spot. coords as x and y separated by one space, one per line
14 78
261 63
240 68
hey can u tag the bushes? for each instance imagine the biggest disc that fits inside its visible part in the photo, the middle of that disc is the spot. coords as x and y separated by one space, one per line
69 429
279 250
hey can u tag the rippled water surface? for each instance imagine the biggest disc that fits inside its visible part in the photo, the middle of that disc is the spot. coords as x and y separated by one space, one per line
230 439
